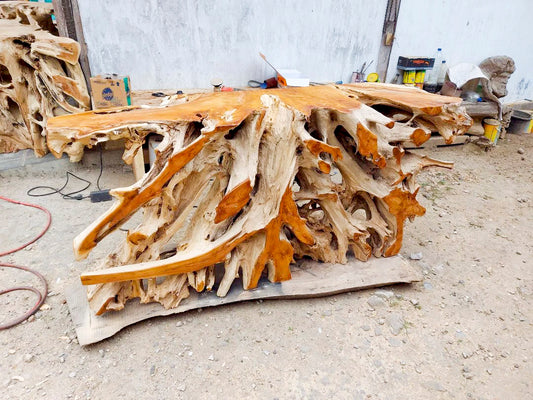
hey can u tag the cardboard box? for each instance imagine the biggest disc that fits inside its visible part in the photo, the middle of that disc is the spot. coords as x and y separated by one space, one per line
110 91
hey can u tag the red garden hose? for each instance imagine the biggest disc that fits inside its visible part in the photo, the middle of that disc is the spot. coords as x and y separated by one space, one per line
40 296
5 253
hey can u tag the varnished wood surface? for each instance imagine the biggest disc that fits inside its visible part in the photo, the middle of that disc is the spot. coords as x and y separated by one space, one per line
222 184
216 106
410 97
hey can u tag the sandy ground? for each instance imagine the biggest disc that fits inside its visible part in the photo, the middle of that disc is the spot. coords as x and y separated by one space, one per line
462 333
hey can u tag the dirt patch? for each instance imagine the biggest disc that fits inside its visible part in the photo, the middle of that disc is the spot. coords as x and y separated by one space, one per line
464 332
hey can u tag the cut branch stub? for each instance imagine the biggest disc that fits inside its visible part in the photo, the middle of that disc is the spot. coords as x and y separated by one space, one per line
251 181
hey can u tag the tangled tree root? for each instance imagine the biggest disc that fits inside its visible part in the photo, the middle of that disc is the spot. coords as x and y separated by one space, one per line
253 180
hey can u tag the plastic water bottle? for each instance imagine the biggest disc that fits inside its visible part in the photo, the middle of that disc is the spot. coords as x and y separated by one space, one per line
434 74
442 73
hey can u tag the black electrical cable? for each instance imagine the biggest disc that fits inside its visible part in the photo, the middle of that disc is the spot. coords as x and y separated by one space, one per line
101 169
254 84
71 195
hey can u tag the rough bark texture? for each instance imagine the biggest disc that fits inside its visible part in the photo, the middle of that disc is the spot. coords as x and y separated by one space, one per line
253 180
39 76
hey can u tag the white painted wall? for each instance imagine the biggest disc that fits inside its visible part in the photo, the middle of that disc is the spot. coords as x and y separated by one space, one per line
469 31
175 44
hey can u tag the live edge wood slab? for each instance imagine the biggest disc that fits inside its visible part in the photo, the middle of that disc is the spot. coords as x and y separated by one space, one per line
255 180
309 279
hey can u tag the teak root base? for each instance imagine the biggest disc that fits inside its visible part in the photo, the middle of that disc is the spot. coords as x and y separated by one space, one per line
254 180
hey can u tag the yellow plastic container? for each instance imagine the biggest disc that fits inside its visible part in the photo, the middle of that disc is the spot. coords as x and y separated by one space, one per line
372 77
530 126
419 78
409 77
492 129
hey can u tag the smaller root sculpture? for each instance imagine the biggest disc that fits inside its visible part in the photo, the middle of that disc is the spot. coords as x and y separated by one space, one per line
39 76
248 182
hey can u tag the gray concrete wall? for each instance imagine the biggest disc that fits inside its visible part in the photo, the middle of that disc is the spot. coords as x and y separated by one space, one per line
469 31
183 44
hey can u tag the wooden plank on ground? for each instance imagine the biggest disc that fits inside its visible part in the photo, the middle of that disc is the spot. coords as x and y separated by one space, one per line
309 279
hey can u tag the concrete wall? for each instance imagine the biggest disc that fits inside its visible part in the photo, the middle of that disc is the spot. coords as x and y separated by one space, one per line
469 31
183 44
172 44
